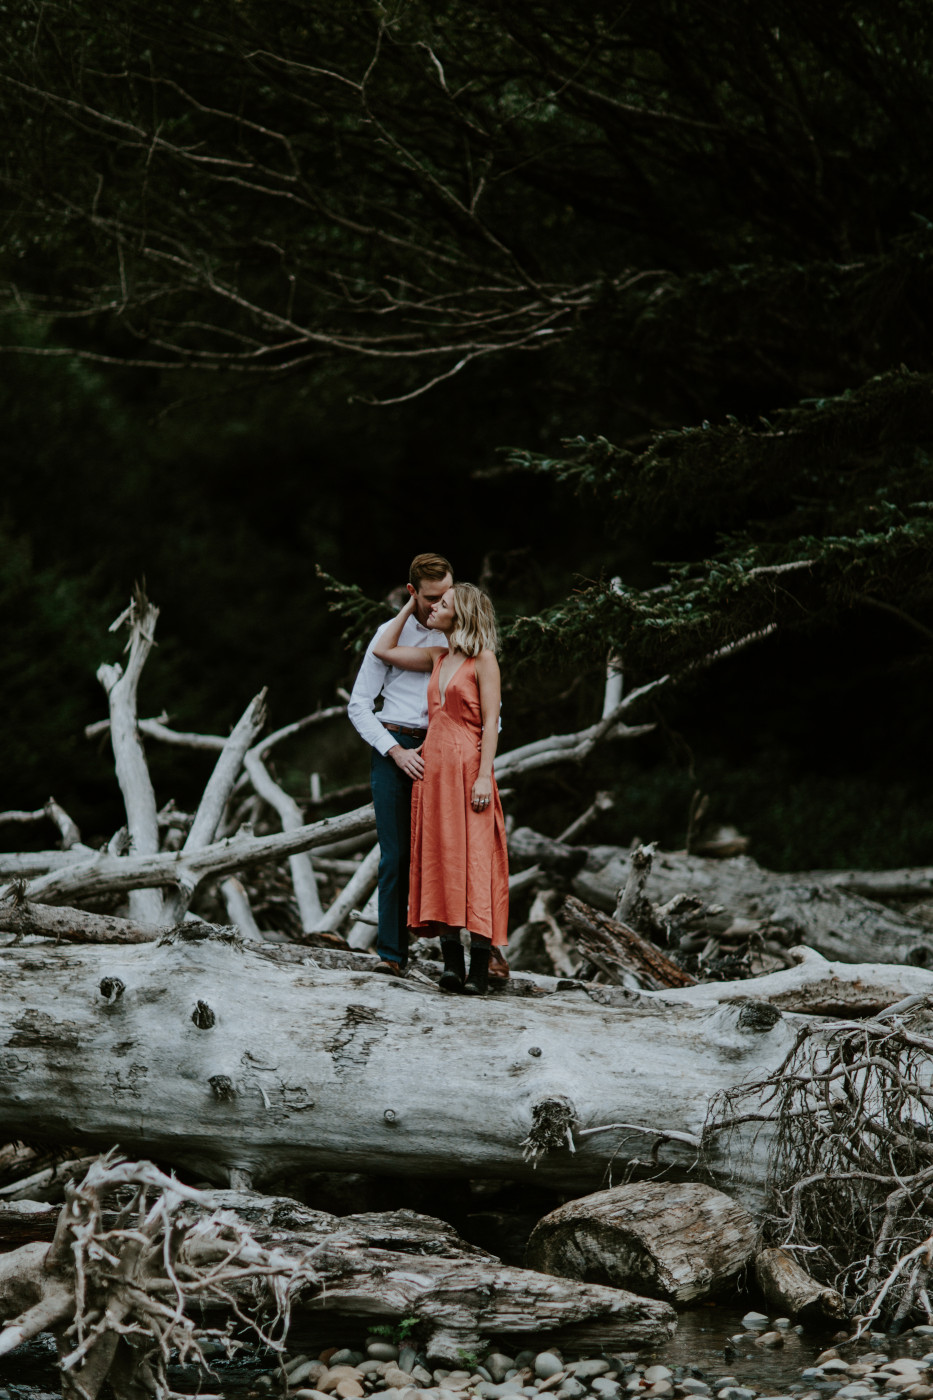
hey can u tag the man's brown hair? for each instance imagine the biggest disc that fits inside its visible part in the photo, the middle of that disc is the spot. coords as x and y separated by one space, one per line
430 566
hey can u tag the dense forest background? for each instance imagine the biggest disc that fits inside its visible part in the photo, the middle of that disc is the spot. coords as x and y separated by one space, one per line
669 265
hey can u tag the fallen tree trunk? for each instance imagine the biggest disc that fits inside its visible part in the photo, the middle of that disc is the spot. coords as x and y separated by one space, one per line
820 909
225 1059
119 1299
107 874
614 948
680 1242
790 1290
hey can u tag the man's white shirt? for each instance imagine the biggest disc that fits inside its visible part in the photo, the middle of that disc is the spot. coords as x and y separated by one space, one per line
404 693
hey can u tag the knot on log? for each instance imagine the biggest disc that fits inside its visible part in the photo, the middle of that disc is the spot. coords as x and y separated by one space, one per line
203 933
203 1017
757 1016
222 1087
552 1123
16 893
112 989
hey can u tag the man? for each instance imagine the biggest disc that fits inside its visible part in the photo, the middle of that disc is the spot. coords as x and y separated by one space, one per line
396 735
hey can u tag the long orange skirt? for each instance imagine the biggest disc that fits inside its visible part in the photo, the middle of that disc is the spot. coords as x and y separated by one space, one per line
459 858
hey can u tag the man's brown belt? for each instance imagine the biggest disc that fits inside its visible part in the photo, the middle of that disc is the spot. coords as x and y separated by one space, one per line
404 729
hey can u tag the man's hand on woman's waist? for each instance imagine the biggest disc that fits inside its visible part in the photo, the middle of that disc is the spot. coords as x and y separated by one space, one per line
409 760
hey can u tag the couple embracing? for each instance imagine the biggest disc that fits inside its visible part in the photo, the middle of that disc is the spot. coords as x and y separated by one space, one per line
443 864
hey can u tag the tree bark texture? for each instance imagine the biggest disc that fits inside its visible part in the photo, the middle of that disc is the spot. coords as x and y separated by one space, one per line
223 1059
388 1266
790 1290
615 949
815 908
678 1241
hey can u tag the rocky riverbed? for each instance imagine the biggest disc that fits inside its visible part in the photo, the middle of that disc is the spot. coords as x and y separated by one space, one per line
717 1353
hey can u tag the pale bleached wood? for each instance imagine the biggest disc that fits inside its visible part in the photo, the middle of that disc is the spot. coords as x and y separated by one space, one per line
214 799
821 913
21 818
573 748
106 873
239 909
633 892
294 1066
310 910
73 925
364 928
356 891
602 802
220 784
27 865
160 729
815 986
129 758
51 810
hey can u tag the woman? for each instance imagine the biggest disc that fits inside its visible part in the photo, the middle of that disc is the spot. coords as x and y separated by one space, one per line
459 860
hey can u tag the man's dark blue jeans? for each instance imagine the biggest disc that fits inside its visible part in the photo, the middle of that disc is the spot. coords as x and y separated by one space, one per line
392 801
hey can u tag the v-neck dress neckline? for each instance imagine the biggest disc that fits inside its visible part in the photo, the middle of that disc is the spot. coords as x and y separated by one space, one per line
442 694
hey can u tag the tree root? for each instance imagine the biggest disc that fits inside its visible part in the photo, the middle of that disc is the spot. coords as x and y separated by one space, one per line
850 1118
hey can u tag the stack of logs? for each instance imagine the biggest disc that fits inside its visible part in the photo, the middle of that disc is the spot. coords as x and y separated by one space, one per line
240 1058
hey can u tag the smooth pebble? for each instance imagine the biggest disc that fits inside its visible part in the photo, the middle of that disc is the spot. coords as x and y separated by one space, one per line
572 1389
382 1351
589 1370
497 1364
547 1363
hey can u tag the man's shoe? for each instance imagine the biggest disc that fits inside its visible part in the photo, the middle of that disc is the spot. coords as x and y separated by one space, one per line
498 967
389 969
454 973
477 981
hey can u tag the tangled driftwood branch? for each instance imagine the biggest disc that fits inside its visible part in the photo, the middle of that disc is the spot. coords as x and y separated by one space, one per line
136 1258
850 1115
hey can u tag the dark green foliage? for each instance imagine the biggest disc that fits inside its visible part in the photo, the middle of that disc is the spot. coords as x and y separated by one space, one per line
828 505
691 242
359 614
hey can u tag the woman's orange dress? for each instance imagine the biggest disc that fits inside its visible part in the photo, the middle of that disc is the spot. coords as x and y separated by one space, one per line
459 858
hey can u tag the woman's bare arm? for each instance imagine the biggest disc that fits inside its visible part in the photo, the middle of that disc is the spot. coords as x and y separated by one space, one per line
388 650
490 695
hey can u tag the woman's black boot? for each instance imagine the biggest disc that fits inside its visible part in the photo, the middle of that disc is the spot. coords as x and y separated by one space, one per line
478 977
452 977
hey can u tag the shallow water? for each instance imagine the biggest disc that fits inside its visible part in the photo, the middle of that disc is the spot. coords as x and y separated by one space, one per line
702 1340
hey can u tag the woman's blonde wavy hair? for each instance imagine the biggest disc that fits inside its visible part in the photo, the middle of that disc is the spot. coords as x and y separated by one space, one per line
474 628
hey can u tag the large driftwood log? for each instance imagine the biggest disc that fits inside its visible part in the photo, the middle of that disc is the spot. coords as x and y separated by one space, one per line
228 1249
815 987
680 1242
106 873
817 908
789 1289
251 1060
219 1058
